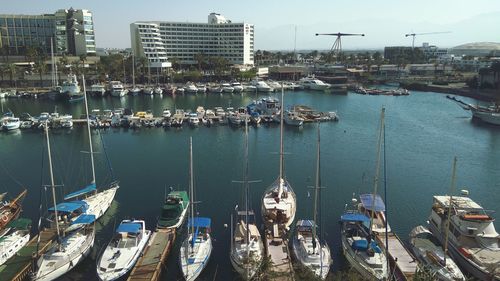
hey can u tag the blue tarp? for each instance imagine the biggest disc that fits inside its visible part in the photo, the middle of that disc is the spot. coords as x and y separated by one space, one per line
354 218
87 189
84 219
367 201
360 245
199 222
129 227
69 207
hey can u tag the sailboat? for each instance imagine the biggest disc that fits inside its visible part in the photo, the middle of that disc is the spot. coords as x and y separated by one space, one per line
15 239
98 201
306 243
73 243
197 247
247 249
279 202
56 90
135 90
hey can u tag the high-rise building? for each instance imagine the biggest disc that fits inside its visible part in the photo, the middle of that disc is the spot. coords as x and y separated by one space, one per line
185 41
72 32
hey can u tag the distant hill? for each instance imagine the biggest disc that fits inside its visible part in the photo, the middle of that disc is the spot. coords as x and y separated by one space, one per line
477 49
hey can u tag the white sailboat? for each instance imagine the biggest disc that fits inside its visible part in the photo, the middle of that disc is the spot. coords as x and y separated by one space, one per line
197 247
279 202
247 249
73 243
17 237
98 200
123 251
306 243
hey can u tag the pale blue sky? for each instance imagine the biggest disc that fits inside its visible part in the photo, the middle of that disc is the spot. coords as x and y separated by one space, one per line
384 22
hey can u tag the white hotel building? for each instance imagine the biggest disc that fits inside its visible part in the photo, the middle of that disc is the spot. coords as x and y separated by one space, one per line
158 41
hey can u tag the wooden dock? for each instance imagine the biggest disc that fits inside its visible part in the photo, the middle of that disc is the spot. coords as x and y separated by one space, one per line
20 266
402 262
151 264
276 247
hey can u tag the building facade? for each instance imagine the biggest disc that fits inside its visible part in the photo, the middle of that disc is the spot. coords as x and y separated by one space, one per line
186 42
72 33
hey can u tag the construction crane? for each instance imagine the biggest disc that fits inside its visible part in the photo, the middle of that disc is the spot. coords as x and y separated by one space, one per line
427 33
337 45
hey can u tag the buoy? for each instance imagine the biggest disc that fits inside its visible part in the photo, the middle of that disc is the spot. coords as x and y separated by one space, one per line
464 192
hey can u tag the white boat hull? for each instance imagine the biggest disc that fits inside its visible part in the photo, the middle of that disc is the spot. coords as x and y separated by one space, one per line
320 267
191 271
100 202
488 117
12 244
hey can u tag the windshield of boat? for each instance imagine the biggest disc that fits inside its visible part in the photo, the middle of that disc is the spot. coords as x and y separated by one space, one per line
170 213
126 240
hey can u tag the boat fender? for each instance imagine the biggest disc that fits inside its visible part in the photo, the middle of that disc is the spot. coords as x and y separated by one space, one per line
465 252
5 218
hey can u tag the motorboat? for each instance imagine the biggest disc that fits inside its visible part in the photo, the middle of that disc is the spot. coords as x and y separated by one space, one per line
10 123
158 91
488 116
468 231
116 89
268 106
201 88
237 87
292 118
193 119
124 249
215 89
166 113
17 237
430 254
190 89
226 88
178 118
250 88
262 86
274 84
135 91
311 83
148 91
200 111
174 210
70 86
97 90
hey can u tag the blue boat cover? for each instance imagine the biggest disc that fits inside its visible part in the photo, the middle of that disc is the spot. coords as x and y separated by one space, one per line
199 222
360 245
354 218
89 188
69 207
129 227
84 219
367 201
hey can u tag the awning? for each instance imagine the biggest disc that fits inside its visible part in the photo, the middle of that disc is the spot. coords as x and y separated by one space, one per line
354 218
87 189
199 222
84 219
369 204
129 227
305 224
69 207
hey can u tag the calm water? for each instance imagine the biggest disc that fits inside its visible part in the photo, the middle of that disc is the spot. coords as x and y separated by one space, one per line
424 131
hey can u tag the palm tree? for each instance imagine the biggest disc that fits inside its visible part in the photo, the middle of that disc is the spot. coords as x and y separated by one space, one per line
200 60
12 69
40 66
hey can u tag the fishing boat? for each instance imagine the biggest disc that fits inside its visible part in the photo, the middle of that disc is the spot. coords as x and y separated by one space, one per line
97 200
306 243
73 243
174 210
247 249
279 202
431 256
196 248
123 251
15 239
9 211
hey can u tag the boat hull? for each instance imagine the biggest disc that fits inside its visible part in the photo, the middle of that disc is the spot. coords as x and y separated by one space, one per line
350 257
190 274
99 203
487 117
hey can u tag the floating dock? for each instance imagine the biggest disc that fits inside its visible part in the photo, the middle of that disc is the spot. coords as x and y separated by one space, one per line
276 248
19 267
402 263
151 264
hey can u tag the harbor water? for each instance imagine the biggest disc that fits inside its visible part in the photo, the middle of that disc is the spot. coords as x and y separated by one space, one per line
424 131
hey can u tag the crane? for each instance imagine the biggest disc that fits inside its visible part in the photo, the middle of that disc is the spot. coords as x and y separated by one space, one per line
427 33
337 45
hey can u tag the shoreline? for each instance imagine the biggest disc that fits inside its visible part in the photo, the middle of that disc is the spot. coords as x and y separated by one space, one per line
482 95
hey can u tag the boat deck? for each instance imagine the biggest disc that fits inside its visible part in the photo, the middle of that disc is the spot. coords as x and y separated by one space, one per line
277 250
19 266
151 264
403 264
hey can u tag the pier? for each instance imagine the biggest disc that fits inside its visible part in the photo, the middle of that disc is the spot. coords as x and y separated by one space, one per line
276 249
20 266
402 264
151 264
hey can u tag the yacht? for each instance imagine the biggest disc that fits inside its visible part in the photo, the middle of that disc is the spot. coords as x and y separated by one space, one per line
268 106
429 252
10 123
17 237
237 87
226 88
250 88
97 90
262 86
472 239
488 116
191 89
123 251
174 210
70 86
116 89
311 83
273 84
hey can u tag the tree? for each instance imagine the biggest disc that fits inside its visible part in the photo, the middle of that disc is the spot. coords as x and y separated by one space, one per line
200 60
12 70
40 66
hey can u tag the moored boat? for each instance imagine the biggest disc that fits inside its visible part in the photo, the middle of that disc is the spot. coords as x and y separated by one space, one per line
174 210
15 239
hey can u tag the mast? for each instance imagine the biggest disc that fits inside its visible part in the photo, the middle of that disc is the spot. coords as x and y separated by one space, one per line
52 184
88 129
452 189
133 70
246 185
316 187
377 169
52 63
191 188
281 177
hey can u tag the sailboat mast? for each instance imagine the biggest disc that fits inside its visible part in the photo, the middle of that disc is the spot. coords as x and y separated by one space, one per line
133 70
88 129
281 136
246 196
52 62
377 169
191 184
52 184
316 189
452 189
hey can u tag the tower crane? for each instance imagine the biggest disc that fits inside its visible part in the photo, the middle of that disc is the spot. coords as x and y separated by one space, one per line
427 33
337 45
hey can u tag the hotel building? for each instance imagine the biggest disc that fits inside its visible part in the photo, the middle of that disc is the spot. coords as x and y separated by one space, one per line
184 41
72 32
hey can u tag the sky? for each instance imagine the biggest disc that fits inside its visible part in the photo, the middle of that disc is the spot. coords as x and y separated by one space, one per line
384 22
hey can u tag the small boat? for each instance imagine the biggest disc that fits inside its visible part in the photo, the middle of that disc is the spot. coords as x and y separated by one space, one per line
197 247
116 89
9 211
292 118
97 90
200 111
166 114
262 86
215 89
430 254
178 118
190 89
193 119
10 123
123 251
238 88
180 90
174 210
148 91
201 88
135 91
250 88
158 91
311 83
226 88
15 239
